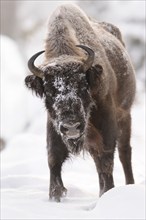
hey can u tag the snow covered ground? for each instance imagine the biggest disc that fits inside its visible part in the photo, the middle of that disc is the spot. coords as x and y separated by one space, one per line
25 173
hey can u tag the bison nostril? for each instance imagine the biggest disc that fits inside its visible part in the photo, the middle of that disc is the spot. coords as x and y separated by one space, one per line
78 127
63 129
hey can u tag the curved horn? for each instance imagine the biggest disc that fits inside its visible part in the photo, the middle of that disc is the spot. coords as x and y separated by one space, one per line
88 63
36 71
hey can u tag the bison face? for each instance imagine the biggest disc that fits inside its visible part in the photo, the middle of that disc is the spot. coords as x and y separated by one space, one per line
68 100
66 85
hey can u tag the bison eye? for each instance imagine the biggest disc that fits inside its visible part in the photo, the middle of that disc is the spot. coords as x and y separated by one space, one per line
93 74
63 129
49 89
98 68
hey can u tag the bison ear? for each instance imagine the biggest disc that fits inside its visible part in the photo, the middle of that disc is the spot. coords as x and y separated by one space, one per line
93 74
35 84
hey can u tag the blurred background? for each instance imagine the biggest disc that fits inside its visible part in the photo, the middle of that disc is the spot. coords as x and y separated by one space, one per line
23 31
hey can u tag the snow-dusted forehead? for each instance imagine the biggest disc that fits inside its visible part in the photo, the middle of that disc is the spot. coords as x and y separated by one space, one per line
65 91
64 79
62 82
63 75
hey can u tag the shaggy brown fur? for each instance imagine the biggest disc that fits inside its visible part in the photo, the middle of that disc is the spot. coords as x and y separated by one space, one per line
99 100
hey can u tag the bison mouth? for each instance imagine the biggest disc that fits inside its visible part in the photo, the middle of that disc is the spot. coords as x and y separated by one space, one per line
75 145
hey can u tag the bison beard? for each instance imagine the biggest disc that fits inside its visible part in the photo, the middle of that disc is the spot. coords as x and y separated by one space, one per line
75 145
88 85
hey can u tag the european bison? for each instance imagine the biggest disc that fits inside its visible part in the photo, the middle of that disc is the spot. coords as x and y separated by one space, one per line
88 84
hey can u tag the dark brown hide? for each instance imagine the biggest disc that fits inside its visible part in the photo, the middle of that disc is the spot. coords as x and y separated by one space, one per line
88 108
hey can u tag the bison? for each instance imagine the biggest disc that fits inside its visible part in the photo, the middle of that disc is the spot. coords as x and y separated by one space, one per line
87 82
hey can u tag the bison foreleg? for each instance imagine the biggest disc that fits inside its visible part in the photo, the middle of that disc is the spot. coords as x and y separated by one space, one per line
57 153
57 189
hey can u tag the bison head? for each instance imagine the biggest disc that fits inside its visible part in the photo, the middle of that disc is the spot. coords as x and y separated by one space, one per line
65 85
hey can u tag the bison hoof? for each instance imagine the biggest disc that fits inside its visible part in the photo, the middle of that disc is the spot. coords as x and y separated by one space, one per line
57 193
